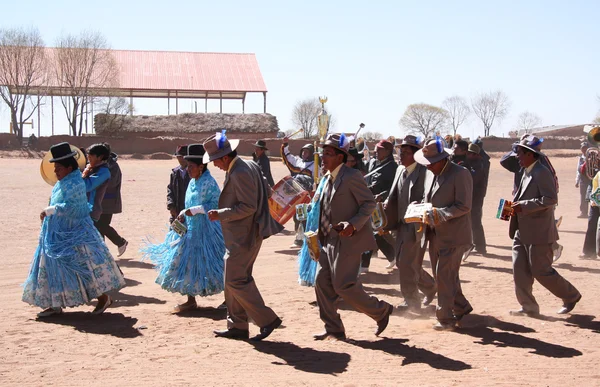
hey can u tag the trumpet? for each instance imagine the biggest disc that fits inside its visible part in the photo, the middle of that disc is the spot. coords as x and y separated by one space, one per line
301 130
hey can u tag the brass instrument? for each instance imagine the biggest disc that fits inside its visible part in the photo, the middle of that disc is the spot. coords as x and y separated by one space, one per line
296 132
592 161
593 135
361 147
379 219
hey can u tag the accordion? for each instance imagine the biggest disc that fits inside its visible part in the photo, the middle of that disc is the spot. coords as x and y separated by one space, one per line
179 227
505 210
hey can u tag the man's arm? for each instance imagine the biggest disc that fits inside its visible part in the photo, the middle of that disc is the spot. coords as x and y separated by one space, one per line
510 162
463 197
170 192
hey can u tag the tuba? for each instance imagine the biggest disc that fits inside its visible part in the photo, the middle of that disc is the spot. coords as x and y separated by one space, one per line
591 162
379 219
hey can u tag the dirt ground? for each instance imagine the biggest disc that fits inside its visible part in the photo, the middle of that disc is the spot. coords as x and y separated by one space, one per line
138 342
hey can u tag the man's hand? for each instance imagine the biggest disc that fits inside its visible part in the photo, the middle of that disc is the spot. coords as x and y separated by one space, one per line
42 215
577 185
285 140
213 215
174 213
345 229
379 197
516 207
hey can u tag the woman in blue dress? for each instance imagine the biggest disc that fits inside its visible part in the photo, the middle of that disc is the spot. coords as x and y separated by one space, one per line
71 265
192 264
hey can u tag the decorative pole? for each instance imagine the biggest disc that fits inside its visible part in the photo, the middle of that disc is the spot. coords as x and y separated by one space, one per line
323 126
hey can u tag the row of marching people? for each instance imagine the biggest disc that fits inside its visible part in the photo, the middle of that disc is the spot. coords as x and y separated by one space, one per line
216 237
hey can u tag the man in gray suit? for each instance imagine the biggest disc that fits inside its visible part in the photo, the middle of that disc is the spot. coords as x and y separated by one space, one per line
449 188
344 232
409 187
246 221
533 229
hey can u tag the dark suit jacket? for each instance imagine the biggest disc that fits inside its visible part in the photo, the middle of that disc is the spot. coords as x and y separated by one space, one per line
402 194
537 196
265 166
243 206
352 202
381 181
452 195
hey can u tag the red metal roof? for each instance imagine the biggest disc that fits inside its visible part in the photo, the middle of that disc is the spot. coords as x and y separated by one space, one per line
184 74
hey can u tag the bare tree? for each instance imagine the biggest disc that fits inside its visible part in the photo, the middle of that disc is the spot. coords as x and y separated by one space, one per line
23 65
458 111
424 119
83 64
305 115
527 121
597 119
489 107
372 136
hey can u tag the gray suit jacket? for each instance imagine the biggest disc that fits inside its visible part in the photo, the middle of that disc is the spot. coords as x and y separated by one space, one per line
352 202
452 195
243 206
537 196
401 195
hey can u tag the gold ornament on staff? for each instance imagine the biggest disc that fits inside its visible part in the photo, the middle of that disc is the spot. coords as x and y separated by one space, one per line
323 126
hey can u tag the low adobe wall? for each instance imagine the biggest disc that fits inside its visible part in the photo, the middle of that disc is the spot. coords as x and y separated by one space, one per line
133 144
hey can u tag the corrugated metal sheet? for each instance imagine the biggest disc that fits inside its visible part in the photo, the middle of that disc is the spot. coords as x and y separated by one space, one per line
183 74
189 71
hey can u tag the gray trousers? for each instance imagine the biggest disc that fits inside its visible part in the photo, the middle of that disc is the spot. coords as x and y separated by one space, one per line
535 262
337 277
477 227
583 191
410 265
242 297
446 265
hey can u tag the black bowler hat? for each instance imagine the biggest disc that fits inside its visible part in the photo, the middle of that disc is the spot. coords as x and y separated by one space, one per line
181 150
61 151
195 152
261 144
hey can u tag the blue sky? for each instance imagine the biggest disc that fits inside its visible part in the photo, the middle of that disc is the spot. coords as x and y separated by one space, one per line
372 59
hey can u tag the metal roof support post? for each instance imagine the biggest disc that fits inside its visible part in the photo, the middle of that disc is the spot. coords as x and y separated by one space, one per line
176 103
206 103
93 118
131 104
265 101
221 101
52 108
243 104
38 109
168 103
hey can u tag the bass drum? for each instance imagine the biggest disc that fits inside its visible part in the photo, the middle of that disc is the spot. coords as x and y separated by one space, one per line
287 194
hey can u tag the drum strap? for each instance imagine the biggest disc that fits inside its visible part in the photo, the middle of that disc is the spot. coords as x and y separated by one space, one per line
377 169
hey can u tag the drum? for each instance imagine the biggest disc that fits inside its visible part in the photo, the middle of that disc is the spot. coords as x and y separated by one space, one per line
287 194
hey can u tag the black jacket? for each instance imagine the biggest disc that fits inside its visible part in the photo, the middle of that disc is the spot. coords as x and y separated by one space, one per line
176 189
265 166
111 204
381 181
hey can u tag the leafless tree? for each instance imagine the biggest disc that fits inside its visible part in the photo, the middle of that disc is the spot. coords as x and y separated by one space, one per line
597 119
305 115
489 107
458 111
424 119
23 66
83 64
371 136
527 121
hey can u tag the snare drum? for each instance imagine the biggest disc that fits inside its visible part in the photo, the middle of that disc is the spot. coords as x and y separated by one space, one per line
287 194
